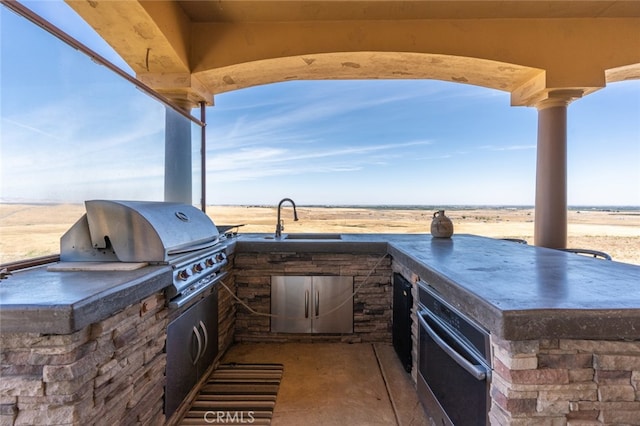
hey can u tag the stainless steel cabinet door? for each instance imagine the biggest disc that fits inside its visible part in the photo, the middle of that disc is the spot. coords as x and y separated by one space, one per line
192 345
319 304
182 353
291 304
208 325
332 305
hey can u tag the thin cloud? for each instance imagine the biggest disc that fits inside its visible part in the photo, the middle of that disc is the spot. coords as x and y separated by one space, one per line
436 157
31 128
250 164
301 111
252 156
508 147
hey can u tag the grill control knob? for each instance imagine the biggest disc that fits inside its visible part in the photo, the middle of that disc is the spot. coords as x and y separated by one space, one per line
220 257
183 275
197 268
209 262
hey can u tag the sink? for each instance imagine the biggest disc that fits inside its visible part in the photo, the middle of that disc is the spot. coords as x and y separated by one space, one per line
306 236
313 237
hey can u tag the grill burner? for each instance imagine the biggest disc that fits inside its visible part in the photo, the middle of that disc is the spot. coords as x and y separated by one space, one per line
175 234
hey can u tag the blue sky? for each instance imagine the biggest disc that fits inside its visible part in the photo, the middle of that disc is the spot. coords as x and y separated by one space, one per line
72 130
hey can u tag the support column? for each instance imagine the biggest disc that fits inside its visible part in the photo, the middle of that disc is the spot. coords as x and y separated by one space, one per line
550 226
177 158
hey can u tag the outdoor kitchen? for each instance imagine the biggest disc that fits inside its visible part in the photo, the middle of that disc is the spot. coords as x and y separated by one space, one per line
153 313
89 340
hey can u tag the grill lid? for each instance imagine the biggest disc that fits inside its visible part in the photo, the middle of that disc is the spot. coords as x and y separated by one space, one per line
137 231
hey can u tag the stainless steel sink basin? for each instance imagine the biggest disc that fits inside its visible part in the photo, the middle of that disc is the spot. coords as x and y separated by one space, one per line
307 236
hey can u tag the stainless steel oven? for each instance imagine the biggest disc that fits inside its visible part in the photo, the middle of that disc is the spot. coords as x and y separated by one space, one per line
454 363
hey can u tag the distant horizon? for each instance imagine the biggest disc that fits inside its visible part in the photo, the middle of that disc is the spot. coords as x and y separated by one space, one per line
435 206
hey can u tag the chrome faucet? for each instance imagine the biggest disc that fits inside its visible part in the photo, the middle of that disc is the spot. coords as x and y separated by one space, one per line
280 224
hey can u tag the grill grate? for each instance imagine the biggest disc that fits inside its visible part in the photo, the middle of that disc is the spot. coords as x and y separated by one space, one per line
237 394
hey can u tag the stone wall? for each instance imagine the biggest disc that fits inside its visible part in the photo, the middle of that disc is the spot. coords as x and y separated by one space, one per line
372 302
562 382
226 310
111 372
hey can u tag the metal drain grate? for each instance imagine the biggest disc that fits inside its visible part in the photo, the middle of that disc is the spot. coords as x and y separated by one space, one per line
237 394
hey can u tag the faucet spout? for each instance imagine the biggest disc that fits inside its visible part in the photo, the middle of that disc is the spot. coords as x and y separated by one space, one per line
280 224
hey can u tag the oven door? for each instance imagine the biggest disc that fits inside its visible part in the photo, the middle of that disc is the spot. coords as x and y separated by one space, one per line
453 379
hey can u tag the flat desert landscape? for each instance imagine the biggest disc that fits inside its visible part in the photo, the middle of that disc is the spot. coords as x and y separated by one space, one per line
30 230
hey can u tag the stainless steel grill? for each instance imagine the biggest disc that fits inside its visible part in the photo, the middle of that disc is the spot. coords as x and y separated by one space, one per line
175 234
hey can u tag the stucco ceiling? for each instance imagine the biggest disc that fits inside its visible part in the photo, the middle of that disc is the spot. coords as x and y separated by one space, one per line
191 50
281 11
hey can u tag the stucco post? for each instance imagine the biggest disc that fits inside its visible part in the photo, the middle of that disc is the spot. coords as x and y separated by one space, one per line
550 226
177 158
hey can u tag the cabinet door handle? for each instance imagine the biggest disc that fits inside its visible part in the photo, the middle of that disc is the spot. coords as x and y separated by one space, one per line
306 304
194 361
317 303
205 333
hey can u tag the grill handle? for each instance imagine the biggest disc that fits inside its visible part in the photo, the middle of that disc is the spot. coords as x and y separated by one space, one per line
184 299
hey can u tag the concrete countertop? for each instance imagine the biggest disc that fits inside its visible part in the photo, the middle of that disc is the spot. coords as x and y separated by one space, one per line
39 301
516 291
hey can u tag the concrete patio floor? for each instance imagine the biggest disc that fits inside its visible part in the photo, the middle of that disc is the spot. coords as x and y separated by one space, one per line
337 383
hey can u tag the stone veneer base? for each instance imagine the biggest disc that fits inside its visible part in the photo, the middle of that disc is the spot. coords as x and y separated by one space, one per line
562 381
371 305
110 372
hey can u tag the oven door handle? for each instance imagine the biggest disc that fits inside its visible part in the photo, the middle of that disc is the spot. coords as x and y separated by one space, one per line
477 372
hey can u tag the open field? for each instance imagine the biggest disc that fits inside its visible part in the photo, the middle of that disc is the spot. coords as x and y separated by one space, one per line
28 230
